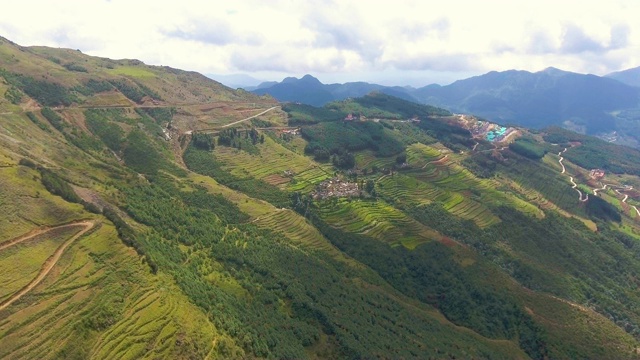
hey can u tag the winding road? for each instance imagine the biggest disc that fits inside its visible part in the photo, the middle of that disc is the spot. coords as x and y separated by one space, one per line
50 262
573 183
604 187
626 196
595 191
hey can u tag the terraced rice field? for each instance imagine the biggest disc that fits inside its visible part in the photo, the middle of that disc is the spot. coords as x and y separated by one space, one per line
377 220
296 228
454 191
533 196
407 190
270 165
436 176
367 159
419 155
306 180
99 301
547 181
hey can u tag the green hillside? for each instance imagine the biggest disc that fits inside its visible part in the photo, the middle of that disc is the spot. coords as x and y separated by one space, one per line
153 213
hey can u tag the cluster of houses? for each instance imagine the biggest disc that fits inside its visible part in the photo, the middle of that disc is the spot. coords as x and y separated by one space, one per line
352 117
596 174
335 187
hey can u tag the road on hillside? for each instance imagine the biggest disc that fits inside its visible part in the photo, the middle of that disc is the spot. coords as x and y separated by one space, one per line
574 186
189 132
595 191
51 261
250 117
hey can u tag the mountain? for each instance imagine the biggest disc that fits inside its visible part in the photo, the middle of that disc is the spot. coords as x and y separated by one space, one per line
235 81
150 212
548 97
309 90
262 85
630 76
585 103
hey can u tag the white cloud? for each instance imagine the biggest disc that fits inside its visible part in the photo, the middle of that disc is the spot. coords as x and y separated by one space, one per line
339 37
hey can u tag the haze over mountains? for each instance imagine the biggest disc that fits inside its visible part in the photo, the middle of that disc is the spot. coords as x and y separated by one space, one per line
586 103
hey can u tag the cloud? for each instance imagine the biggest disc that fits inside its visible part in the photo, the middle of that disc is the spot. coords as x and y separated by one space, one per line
418 30
349 34
540 42
619 36
214 32
341 36
297 61
438 62
575 41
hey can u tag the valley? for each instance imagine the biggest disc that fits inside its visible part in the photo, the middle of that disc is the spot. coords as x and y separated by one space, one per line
153 213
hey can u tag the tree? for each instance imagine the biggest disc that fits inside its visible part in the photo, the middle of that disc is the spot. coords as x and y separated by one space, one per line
370 187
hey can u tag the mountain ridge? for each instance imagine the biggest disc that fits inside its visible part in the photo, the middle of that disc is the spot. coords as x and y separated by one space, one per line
629 76
582 102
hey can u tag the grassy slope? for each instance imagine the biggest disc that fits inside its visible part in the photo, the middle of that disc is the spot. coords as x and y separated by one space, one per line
101 302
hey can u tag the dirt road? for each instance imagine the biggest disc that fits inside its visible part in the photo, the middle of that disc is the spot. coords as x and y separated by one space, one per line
51 261
574 186
249 118
189 132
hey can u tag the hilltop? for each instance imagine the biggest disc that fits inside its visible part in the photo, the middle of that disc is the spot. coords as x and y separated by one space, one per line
630 76
154 213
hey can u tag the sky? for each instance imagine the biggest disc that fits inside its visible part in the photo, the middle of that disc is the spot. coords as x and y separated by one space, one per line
396 42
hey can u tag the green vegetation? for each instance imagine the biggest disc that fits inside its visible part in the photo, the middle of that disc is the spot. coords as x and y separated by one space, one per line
203 141
453 137
592 153
343 136
386 107
34 119
204 163
94 87
430 274
54 119
45 92
307 114
58 186
241 140
13 95
75 67
161 114
134 91
600 209
528 147
140 154
99 124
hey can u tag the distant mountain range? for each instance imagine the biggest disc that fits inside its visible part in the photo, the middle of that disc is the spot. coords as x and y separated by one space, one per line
585 103
629 77
309 90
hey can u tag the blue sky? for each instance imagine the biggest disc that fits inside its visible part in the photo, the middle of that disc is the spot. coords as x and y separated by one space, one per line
391 42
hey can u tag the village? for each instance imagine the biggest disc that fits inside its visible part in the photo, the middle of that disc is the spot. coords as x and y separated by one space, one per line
335 187
483 129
